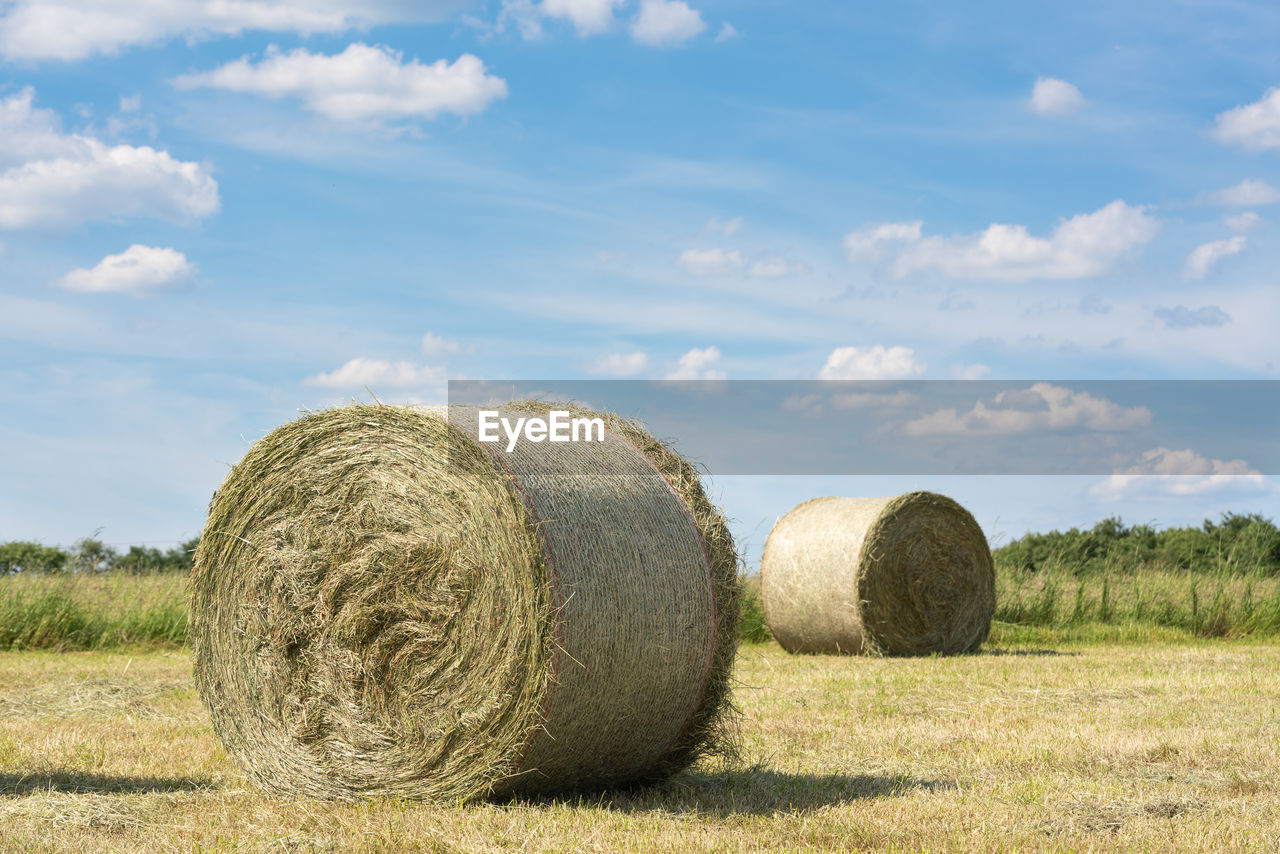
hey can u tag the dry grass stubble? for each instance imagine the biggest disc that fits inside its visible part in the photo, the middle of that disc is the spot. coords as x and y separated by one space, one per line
1164 748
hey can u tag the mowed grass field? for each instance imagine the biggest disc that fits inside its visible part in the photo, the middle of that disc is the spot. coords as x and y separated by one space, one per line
1167 745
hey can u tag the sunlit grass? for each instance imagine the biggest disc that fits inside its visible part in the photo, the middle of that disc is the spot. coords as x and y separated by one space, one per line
1151 747
1055 604
70 611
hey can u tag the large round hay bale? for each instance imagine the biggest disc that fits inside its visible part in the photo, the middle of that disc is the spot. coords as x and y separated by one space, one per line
905 575
382 607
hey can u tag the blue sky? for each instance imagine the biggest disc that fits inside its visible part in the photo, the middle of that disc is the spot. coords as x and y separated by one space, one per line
213 216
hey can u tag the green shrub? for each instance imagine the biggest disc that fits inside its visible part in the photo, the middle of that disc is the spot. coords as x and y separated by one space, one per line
751 625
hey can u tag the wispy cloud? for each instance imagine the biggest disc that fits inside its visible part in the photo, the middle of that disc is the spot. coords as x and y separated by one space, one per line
776 267
710 262
621 364
817 404
1241 221
1083 246
867 243
727 31
973 371
1206 255
438 345
1250 192
726 227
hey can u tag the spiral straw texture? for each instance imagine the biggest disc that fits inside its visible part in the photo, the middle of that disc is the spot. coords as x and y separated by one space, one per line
381 605
905 575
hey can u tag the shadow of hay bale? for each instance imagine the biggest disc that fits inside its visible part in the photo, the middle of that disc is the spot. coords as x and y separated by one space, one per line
753 791
959 656
80 782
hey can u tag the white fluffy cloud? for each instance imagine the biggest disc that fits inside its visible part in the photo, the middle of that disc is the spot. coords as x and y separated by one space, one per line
51 178
1041 407
870 363
75 29
1255 126
710 262
621 364
1204 256
665 22
1053 97
1185 472
136 270
377 374
1248 193
698 365
361 83
1083 246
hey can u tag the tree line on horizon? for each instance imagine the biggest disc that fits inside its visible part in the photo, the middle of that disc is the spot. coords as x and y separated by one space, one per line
1238 543
92 555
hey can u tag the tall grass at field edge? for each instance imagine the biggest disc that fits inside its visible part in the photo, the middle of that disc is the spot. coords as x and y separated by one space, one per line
85 611
79 611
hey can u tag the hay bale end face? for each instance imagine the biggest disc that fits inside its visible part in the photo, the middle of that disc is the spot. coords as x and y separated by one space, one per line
381 608
905 575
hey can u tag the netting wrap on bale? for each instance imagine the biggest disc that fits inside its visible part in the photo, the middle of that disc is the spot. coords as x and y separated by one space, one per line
383 605
905 575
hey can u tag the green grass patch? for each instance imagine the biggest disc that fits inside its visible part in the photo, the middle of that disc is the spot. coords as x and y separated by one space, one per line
1194 604
1075 589
76 611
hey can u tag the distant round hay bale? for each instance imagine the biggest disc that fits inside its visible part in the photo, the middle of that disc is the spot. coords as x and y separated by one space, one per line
905 575
382 607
